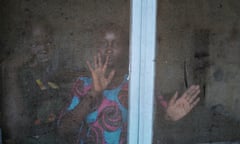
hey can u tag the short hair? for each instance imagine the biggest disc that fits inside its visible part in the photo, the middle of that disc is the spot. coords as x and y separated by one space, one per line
110 26
41 22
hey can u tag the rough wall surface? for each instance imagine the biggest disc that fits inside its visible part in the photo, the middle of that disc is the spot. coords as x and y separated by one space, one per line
198 43
204 36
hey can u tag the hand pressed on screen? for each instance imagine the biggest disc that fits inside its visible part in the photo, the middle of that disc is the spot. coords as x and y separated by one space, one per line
179 107
98 71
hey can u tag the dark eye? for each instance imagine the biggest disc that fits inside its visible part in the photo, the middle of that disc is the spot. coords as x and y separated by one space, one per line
115 43
35 44
103 44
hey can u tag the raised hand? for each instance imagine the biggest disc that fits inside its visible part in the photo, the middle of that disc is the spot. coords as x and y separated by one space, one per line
100 79
179 107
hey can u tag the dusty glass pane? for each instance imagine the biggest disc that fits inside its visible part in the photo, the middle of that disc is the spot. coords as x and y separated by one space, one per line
49 94
198 44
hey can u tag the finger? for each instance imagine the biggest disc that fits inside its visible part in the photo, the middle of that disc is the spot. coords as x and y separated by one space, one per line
174 98
99 60
106 63
188 92
195 103
89 66
194 96
95 62
110 77
193 91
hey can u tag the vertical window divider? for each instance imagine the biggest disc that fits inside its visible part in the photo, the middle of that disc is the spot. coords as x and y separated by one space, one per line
141 71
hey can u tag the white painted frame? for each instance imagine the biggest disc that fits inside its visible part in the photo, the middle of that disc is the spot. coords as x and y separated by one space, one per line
142 69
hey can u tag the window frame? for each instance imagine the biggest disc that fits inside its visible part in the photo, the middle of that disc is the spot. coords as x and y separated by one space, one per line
142 71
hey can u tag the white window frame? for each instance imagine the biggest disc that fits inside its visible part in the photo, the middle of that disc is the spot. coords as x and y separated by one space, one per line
141 72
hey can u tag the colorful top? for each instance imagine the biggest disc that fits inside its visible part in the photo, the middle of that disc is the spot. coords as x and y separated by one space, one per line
107 123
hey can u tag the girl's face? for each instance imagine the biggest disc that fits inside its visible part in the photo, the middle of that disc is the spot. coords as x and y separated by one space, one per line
112 45
40 45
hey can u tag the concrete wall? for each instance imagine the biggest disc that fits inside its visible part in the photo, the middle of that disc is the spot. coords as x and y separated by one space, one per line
204 36
198 43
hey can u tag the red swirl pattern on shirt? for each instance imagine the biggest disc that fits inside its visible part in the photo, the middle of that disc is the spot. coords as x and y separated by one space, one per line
95 136
110 118
79 90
